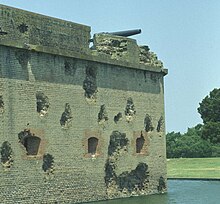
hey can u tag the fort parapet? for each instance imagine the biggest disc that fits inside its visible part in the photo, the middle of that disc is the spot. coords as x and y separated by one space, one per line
78 123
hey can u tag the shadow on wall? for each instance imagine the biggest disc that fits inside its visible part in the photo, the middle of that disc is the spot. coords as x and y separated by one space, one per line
89 75
13 63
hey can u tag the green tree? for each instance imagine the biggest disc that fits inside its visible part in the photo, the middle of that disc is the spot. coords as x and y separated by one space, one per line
209 110
188 145
211 132
171 143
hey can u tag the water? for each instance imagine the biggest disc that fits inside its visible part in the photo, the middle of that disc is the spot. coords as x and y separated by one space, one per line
179 192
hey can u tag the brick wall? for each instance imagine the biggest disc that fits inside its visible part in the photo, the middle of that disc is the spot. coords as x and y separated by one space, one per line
75 174
76 177
22 27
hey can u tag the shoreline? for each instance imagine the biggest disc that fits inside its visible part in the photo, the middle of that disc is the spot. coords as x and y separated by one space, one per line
195 179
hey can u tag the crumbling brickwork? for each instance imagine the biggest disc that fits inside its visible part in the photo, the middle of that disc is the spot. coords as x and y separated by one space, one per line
77 124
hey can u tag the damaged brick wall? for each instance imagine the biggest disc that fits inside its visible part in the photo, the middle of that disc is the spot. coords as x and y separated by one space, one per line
117 142
149 58
73 155
90 84
117 146
162 185
23 27
118 117
42 103
114 47
129 183
48 164
129 110
32 143
148 126
69 142
118 48
135 180
66 117
1 104
103 115
160 124
6 155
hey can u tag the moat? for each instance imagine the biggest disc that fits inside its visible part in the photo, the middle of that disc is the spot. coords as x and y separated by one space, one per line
180 192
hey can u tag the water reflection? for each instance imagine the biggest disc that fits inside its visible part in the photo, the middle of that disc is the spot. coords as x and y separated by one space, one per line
180 192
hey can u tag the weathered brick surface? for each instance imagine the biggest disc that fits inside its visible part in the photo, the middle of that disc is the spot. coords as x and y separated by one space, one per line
77 176
24 27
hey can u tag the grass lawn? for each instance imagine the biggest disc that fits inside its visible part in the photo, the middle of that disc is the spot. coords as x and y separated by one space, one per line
193 168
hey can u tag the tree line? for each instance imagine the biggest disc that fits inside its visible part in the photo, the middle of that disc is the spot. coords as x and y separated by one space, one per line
203 140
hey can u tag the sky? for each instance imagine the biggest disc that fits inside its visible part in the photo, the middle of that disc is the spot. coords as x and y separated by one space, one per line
185 35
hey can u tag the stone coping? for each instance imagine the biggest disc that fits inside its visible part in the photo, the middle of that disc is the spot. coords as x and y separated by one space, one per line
89 55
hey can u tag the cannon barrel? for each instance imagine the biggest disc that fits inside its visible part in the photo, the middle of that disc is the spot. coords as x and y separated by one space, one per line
126 33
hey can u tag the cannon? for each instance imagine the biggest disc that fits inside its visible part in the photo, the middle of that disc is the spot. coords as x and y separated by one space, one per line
125 33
